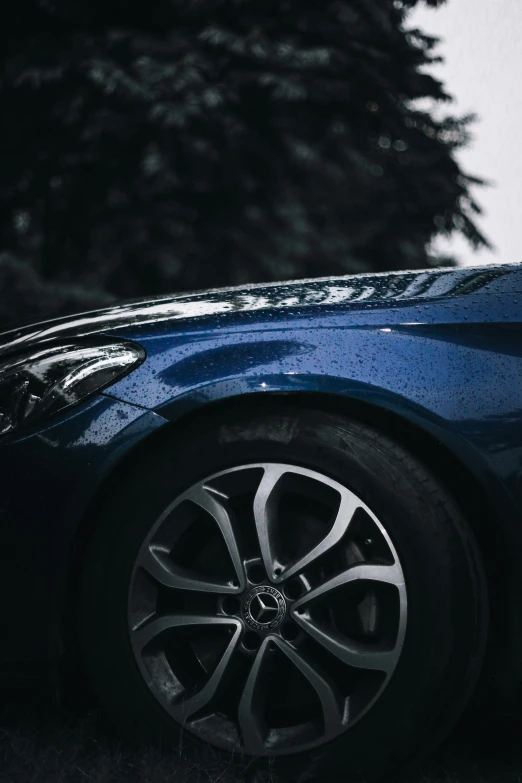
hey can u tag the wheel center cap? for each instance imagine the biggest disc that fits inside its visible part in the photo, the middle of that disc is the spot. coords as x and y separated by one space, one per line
264 608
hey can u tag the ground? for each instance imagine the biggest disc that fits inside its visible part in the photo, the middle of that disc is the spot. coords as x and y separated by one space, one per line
41 744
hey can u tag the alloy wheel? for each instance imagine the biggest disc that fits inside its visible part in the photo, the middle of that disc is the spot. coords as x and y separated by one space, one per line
267 609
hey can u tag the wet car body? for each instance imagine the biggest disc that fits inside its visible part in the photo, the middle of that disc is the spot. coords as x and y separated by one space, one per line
433 356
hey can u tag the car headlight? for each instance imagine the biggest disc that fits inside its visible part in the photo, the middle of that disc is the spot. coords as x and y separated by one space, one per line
50 378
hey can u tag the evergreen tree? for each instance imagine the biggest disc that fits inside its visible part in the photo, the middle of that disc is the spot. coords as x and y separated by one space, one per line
192 143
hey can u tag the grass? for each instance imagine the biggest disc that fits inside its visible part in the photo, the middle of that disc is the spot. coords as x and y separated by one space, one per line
41 744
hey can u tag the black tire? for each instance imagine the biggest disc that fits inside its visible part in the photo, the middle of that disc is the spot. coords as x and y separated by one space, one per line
447 596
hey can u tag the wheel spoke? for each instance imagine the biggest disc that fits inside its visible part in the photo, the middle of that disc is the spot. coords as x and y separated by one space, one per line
216 682
158 563
156 559
347 508
264 516
360 656
331 708
389 574
145 633
353 653
207 498
252 726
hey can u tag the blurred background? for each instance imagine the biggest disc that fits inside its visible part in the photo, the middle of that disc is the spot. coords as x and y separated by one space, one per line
200 143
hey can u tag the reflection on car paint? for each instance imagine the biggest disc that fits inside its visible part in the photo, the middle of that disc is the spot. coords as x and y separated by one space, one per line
376 289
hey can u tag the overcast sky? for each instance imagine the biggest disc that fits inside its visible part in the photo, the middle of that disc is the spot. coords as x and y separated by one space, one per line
482 49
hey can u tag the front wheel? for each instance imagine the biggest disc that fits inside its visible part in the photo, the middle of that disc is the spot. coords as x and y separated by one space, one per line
292 587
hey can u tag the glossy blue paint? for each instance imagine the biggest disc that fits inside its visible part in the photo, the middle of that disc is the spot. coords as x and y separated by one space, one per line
452 366
439 348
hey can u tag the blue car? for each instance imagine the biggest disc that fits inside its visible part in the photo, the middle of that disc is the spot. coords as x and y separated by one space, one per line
283 520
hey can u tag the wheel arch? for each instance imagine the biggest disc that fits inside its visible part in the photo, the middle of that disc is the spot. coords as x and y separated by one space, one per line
451 471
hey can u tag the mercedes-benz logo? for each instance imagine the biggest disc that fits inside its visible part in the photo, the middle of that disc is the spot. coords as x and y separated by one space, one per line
264 608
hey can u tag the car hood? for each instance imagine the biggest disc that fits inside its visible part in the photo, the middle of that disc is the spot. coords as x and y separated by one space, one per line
355 291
